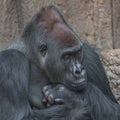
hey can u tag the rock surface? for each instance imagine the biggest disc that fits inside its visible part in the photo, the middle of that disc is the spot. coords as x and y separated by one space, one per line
111 61
96 21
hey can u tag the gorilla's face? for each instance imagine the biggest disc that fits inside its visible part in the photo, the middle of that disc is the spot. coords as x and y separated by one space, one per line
61 58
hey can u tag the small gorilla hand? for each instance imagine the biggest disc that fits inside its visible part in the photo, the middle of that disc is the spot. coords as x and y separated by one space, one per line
59 94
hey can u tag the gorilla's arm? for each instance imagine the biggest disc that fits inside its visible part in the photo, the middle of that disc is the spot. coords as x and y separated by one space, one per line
59 94
55 112
14 76
14 90
99 107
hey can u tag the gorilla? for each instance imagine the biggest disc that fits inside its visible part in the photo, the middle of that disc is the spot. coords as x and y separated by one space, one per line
49 73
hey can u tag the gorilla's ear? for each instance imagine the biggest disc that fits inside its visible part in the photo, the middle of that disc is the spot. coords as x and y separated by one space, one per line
48 16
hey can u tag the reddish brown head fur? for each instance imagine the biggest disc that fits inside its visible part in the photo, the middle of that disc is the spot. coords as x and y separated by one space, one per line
54 26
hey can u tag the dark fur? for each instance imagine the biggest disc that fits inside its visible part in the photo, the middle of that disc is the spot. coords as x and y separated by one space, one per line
95 71
22 79
22 76
96 106
99 102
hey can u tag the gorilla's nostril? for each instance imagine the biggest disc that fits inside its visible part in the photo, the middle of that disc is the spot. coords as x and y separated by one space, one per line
77 72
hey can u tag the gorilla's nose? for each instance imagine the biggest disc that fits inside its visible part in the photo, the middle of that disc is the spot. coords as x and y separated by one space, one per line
77 71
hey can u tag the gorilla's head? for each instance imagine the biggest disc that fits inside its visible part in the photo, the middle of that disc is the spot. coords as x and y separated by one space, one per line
55 48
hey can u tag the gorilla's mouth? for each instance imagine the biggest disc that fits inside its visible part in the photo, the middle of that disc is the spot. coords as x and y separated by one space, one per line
77 83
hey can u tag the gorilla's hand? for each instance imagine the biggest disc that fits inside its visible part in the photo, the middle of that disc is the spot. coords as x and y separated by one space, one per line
58 94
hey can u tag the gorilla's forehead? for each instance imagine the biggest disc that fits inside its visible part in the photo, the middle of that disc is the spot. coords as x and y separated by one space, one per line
63 36
55 28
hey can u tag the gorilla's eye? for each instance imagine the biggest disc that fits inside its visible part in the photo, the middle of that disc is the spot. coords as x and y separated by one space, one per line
43 50
67 57
78 52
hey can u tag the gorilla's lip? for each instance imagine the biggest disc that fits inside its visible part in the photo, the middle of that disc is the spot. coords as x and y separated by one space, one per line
77 83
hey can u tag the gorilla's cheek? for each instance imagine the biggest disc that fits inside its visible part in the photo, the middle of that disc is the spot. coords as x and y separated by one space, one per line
54 70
